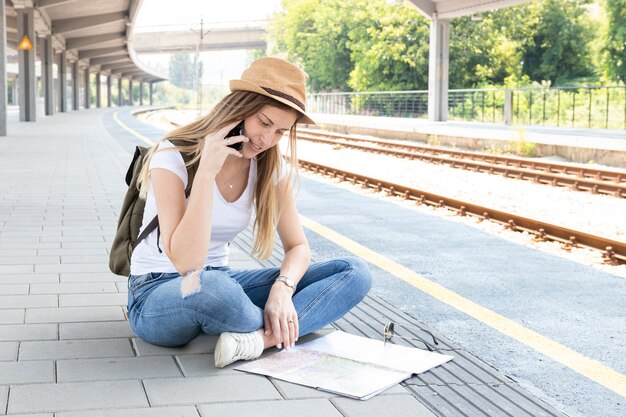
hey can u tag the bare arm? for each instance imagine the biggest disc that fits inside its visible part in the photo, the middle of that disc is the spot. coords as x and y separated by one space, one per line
281 318
186 226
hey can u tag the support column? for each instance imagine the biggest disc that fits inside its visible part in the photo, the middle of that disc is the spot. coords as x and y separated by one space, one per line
98 88
26 66
438 69
48 83
3 70
62 82
109 90
120 99
130 92
87 88
151 93
75 88
15 92
141 93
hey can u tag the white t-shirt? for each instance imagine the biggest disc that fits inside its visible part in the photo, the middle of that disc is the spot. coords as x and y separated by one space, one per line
228 218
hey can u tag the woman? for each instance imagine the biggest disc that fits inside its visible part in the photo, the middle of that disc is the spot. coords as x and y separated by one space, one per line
180 284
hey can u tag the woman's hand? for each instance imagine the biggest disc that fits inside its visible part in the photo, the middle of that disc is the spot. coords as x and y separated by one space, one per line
216 150
281 319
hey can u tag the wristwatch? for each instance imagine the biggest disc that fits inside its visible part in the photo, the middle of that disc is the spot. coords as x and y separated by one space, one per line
287 281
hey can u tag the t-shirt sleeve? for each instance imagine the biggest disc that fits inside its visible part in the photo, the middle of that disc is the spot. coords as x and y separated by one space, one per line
169 158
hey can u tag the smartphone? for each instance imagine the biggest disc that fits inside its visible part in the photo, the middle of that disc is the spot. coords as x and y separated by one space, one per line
237 131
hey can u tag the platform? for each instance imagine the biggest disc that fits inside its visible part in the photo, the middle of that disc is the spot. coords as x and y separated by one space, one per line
66 349
601 146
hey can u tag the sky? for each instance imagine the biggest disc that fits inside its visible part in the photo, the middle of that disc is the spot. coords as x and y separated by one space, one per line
219 67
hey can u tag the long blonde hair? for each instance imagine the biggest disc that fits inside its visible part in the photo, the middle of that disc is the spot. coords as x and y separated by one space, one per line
239 105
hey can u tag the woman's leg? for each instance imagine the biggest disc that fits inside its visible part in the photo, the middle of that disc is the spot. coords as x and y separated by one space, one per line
326 292
159 315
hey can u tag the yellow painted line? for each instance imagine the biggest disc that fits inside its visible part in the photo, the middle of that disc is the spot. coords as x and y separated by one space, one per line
585 366
132 131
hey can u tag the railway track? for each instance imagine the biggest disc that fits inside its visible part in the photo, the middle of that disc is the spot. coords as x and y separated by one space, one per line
597 181
613 252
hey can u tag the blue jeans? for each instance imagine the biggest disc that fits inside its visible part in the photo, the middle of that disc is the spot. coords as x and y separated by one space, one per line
233 300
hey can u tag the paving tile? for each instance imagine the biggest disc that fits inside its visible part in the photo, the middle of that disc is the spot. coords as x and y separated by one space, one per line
14 289
114 369
73 288
90 277
73 314
76 349
17 269
28 301
96 330
77 300
28 278
299 408
175 391
71 252
83 259
76 396
201 344
26 372
202 365
20 332
62 268
24 260
4 393
13 316
8 351
382 405
183 411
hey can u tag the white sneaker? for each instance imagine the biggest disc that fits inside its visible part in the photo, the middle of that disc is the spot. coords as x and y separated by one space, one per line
233 347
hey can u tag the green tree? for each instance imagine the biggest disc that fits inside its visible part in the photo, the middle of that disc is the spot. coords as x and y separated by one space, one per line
615 46
558 48
183 70
389 48
315 33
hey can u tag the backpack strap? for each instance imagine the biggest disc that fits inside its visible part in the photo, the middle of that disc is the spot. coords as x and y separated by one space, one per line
191 173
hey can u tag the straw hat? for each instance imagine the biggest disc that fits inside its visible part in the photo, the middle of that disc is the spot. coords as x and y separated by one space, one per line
278 79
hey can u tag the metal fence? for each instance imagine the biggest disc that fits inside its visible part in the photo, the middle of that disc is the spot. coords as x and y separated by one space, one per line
583 107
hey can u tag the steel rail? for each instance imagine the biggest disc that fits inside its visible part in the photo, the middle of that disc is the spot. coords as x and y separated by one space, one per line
541 177
615 176
613 251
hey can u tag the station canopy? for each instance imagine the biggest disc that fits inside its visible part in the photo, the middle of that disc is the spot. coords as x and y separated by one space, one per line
96 33
449 9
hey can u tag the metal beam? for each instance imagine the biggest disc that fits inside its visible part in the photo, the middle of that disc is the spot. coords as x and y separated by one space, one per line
81 42
108 59
78 23
26 66
98 88
94 53
42 4
48 84
439 52
87 88
114 66
75 87
62 81
109 89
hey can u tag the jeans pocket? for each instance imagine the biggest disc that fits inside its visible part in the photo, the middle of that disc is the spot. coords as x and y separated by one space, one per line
139 281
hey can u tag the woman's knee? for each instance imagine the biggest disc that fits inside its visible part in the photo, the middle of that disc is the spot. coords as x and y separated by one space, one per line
359 274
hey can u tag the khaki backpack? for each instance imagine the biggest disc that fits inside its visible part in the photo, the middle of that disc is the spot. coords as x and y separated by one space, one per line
127 235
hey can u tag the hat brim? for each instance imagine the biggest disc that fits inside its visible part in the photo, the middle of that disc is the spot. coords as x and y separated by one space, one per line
241 85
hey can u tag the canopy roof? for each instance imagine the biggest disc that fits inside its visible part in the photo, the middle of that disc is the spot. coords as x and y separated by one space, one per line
448 9
97 33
